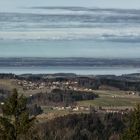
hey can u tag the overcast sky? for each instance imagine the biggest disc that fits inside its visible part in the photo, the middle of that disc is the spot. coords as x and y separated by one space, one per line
13 5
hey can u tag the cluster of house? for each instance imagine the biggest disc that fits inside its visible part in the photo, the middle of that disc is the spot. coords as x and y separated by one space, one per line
28 85
95 109
115 110
69 85
72 108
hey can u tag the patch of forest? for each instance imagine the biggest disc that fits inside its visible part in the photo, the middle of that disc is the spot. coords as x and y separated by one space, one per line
83 127
58 96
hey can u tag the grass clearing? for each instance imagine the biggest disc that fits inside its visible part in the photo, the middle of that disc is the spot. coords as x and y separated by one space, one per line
111 98
106 101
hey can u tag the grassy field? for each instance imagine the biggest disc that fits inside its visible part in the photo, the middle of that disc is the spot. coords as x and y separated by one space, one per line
112 98
10 84
49 113
110 102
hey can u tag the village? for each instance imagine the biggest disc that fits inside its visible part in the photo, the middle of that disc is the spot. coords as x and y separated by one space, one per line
73 85
63 85
123 99
94 109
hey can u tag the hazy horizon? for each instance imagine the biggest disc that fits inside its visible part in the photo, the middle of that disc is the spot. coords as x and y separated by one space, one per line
16 5
70 29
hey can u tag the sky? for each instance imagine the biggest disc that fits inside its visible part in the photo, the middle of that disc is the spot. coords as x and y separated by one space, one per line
14 5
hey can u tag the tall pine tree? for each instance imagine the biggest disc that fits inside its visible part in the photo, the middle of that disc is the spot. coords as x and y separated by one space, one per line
133 130
15 122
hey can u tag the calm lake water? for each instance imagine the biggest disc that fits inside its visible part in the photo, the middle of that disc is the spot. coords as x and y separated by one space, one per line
70 32
69 48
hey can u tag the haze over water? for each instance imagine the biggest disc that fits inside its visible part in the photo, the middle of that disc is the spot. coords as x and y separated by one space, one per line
70 32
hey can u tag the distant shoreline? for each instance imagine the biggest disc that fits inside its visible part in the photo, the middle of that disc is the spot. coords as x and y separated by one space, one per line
68 61
80 66
67 75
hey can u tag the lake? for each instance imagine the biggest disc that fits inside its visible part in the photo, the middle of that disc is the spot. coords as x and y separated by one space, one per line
70 32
